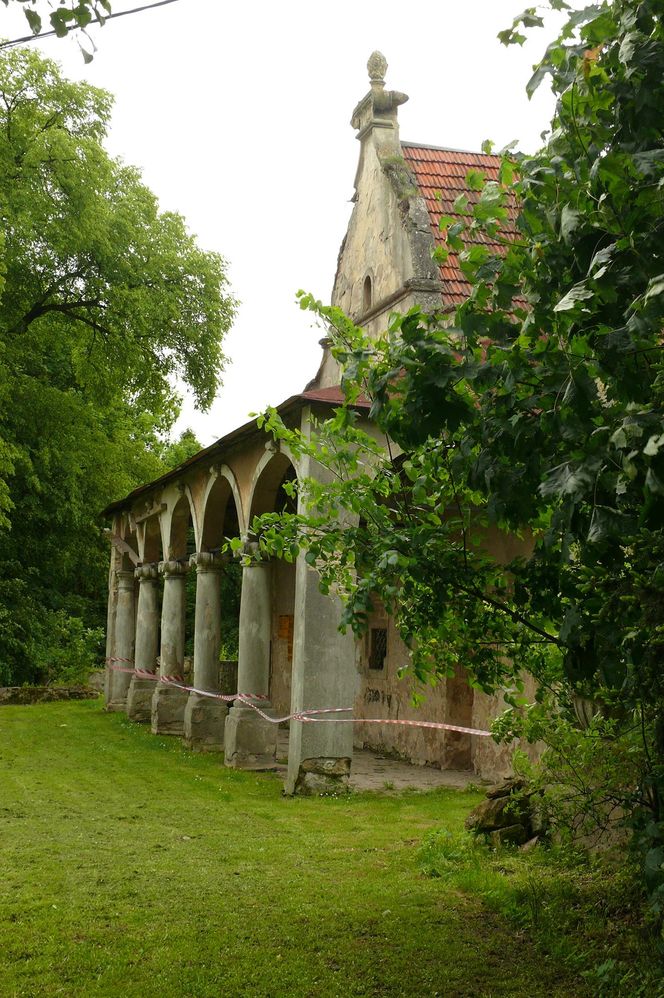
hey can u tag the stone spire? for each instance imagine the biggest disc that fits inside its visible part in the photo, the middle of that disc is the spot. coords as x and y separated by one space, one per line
377 112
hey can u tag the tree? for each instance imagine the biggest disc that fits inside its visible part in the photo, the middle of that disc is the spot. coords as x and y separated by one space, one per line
104 301
535 408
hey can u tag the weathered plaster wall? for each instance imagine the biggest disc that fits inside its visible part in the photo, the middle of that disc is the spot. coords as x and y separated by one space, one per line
494 761
383 695
377 244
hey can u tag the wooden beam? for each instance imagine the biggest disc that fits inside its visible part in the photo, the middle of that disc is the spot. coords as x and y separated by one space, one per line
122 546
153 511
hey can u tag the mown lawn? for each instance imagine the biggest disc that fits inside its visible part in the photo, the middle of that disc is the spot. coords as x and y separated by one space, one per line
129 866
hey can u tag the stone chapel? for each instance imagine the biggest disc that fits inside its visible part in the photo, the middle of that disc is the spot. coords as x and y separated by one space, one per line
292 656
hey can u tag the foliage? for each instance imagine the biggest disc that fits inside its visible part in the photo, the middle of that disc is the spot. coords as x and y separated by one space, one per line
531 411
105 301
589 776
586 912
71 652
65 16
173 453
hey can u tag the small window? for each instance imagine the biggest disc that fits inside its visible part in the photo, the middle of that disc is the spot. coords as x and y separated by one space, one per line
366 294
378 648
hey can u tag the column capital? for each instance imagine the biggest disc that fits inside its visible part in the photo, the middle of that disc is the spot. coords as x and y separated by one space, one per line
251 549
125 579
207 561
173 569
146 573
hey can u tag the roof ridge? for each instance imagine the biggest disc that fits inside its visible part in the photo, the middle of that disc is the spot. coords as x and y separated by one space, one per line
424 145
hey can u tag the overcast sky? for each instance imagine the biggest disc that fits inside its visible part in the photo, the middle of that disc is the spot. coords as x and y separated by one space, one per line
238 116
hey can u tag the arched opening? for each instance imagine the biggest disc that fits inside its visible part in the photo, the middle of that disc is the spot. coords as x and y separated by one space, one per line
272 489
148 616
177 618
152 541
152 555
181 546
367 294
129 559
221 523
121 615
275 492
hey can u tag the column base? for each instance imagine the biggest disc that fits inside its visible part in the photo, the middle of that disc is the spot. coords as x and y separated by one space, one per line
204 723
320 777
116 706
139 700
116 700
168 706
250 742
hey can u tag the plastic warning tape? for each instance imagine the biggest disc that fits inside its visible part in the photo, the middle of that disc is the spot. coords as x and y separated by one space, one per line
312 715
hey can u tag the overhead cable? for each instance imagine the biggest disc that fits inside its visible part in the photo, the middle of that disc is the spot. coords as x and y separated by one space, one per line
95 20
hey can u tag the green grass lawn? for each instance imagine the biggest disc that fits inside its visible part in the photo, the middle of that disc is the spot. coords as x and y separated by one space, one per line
129 866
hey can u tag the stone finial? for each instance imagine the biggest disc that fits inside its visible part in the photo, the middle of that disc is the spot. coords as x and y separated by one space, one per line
377 66
378 108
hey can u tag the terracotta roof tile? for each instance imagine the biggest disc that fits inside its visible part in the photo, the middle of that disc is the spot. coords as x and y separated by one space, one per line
441 178
334 396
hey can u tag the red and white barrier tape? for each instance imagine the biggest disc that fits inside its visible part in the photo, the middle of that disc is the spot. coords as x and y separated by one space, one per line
302 715
393 720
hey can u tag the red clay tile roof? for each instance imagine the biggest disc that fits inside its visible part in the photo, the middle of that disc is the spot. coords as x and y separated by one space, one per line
441 178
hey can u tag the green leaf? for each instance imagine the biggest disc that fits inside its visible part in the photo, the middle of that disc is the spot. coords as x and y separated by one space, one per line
654 483
579 293
655 288
34 20
59 21
570 219
475 180
542 70
655 443
445 221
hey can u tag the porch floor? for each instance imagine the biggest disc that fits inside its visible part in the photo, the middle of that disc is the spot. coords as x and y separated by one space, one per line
372 771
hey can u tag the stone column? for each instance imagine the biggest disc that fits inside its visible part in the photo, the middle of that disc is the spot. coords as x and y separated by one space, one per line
110 634
168 702
324 675
250 740
141 691
205 718
123 641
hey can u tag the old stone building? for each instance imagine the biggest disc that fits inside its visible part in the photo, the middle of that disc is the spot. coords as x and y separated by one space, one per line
291 655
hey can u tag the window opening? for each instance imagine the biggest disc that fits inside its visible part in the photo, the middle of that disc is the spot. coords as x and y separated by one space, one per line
378 648
366 294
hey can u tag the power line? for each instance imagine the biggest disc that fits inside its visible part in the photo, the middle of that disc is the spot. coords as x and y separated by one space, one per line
95 20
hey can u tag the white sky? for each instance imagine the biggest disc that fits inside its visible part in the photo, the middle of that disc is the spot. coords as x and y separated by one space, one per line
238 116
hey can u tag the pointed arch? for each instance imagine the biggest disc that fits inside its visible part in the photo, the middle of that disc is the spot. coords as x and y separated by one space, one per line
267 494
222 514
